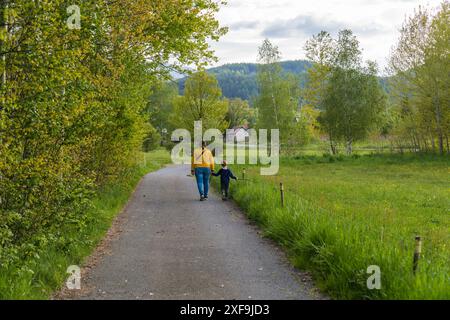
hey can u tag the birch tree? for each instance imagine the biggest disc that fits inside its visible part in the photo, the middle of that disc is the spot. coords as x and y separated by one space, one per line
420 70
278 99
346 91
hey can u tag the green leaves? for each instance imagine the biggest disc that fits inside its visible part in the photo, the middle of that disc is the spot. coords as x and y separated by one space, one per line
348 94
201 101
420 70
278 99
72 115
239 113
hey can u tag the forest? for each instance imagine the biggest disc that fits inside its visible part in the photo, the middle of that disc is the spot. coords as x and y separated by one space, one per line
238 80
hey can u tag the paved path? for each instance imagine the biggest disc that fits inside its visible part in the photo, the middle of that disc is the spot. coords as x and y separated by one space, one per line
173 246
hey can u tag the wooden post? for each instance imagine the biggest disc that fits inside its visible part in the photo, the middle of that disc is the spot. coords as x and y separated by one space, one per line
243 174
282 194
417 251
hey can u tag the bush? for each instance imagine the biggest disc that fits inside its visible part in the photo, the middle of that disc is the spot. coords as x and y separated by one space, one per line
152 140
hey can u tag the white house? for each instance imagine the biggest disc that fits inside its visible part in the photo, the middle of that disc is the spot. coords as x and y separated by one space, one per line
240 134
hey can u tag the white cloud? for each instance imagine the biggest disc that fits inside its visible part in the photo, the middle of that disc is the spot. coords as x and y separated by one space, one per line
307 25
289 23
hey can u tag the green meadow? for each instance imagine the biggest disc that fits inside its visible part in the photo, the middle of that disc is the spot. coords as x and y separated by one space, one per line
343 214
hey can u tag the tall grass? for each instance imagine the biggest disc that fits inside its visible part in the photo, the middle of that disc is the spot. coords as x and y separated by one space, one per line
343 214
40 275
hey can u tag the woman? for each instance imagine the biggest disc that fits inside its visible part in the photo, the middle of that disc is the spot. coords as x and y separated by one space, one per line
202 165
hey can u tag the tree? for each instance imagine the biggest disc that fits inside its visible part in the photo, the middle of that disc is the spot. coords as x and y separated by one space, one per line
201 101
278 98
160 107
239 113
152 140
310 116
320 51
72 102
420 71
348 94
352 103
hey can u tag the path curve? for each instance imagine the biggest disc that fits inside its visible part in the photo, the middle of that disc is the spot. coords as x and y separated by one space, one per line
172 246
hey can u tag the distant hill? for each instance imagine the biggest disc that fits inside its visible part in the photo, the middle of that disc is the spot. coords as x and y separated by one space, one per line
238 80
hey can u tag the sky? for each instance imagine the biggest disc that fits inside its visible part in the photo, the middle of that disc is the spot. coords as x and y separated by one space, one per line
289 23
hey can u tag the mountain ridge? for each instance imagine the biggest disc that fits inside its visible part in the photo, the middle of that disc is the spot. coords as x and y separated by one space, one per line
238 80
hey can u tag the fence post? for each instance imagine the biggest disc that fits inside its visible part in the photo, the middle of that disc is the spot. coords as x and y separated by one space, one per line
243 174
282 194
417 251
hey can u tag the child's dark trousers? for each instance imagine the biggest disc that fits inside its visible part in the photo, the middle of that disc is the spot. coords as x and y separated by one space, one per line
224 188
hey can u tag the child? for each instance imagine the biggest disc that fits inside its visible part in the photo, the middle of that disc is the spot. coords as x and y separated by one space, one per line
225 175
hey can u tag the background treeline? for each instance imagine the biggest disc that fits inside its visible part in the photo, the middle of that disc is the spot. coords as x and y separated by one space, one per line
239 80
335 98
202 100
73 104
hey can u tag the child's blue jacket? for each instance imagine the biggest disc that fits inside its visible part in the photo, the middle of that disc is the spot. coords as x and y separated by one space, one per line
225 175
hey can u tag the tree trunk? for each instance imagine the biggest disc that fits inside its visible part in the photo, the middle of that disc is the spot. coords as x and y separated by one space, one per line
426 144
415 143
332 145
349 147
441 143
433 145
419 144
448 145
273 99
437 108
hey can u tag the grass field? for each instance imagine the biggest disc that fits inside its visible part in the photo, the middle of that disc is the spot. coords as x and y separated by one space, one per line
343 214
38 277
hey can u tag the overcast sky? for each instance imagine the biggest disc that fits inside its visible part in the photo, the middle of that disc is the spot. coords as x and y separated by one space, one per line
289 23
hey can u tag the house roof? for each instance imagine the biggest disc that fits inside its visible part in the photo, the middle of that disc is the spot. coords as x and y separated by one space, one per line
244 127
